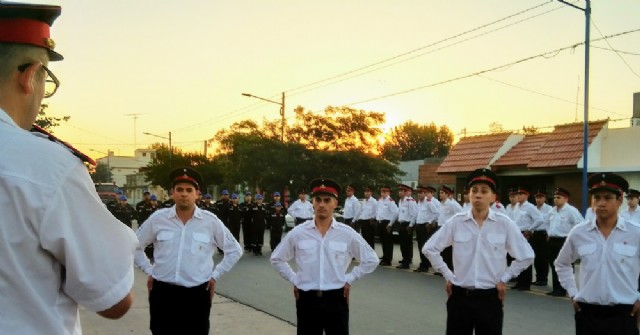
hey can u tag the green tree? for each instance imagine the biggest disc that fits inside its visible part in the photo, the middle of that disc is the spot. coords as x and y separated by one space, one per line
412 141
100 174
157 172
49 122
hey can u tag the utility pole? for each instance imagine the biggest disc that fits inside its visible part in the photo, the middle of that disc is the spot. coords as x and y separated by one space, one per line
135 121
281 103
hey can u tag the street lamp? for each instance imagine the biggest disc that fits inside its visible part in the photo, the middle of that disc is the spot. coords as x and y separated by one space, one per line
166 138
108 153
274 102
585 129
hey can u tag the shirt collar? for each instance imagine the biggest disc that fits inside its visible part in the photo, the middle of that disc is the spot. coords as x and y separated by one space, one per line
491 216
5 118
174 214
334 224
619 225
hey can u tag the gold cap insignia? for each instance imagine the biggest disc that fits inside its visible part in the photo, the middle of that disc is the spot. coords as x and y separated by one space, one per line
51 44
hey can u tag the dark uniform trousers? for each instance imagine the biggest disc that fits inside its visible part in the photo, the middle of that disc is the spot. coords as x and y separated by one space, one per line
368 231
179 310
424 232
300 221
525 277
555 244
540 247
474 309
406 243
277 222
386 239
605 320
319 311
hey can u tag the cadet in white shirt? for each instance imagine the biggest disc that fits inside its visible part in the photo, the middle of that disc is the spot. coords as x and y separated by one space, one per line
351 208
527 218
539 239
182 279
323 249
301 209
426 222
407 212
512 208
481 239
386 215
59 246
606 301
367 219
448 208
632 213
562 218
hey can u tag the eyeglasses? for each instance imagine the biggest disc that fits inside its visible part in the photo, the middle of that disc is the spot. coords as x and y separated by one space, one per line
51 83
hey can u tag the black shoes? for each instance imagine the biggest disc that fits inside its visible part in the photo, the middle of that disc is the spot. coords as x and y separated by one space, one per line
402 266
421 269
385 263
521 287
557 293
539 283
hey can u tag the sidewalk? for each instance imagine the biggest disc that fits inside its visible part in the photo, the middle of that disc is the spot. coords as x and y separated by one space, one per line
227 317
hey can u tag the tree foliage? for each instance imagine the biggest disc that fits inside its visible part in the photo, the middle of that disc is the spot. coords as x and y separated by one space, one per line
49 122
412 141
100 174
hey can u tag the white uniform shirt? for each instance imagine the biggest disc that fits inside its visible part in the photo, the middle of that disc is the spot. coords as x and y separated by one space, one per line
608 268
408 210
563 220
589 214
351 207
512 211
466 206
301 209
387 210
322 262
369 208
498 207
479 253
633 216
183 252
428 211
448 209
544 210
59 245
528 216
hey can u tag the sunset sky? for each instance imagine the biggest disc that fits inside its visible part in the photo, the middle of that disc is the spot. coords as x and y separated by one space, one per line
134 66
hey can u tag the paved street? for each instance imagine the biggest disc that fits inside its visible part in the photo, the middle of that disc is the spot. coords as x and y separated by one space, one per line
254 299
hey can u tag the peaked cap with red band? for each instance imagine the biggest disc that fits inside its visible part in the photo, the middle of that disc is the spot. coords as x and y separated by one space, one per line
562 192
523 190
186 175
609 182
633 193
324 186
29 24
446 189
426 188
484 176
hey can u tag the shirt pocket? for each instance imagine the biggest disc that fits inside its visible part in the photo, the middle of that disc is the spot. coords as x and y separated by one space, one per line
497 245
338 251
164 244
462 243
201 244
624 255
588 258
307 251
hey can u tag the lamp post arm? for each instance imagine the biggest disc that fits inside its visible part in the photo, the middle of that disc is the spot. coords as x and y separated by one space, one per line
257 97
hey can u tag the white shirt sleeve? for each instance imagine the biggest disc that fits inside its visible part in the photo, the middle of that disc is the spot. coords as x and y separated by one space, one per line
282 255
367 257
435 245
231 248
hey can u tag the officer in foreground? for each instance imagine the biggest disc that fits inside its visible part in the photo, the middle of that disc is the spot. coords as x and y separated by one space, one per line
609 251
182 279
323 249
54 232
481 239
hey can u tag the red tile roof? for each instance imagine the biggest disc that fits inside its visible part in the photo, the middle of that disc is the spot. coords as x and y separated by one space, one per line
563 147
472 153
521 153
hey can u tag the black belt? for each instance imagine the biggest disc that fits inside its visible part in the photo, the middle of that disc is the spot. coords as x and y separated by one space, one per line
403 222
475 292
339 292
557 237
605 310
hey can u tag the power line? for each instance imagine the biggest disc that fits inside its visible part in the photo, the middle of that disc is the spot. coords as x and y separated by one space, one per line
619 55
616 50
495 68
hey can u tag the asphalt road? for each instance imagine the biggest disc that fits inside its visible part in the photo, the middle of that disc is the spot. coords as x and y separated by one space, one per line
392 301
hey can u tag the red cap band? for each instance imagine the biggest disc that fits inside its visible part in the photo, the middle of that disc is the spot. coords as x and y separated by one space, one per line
187 179
26 31
324 189
483 178
603 184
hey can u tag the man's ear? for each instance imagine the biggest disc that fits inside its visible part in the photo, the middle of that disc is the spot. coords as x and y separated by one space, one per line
27 78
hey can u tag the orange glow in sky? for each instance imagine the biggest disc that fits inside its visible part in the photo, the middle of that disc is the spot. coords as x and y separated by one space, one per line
181 66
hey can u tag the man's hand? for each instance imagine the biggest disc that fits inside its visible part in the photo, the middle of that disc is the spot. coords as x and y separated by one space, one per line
389 228
527 234
635 312
448 287
149 283
501 290
576 306
409 229
347 290
295 293
211 287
